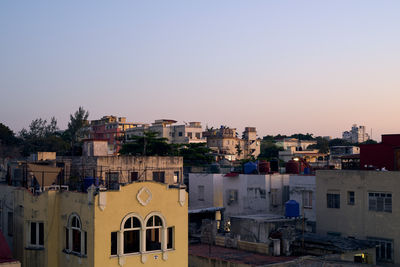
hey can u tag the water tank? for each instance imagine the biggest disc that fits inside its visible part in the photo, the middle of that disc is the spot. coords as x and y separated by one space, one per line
292 209
88 181
292 167
250 167
264 166
274 164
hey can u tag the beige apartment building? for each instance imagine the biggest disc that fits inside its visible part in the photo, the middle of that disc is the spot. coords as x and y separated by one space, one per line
187 133
361 205
226 143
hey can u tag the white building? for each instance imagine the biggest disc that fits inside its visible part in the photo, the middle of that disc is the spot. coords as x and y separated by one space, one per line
239 195
296 144
357 134
175 134
302 189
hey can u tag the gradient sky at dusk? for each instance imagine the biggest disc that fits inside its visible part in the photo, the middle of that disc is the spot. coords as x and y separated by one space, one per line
281 66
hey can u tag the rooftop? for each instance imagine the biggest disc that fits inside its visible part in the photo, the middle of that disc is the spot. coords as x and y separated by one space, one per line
262 217
235 255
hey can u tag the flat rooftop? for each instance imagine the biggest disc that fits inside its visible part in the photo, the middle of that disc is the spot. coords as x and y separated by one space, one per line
262 217
235 255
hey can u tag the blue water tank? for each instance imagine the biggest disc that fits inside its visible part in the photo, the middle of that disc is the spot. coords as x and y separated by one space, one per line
250 167
292 209
88 181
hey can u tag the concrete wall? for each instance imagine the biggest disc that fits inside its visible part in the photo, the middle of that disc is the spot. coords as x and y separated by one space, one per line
357 220
125 165
254 194
298 184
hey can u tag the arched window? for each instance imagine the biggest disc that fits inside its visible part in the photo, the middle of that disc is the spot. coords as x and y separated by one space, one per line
139 236
75 238
131 235
154 226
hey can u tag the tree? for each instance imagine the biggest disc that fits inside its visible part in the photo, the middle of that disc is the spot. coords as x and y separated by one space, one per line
238 149
9 143
368 142
7 136
42 136
269 150
148 145
196 154
75 129
339 142
322 145
301 136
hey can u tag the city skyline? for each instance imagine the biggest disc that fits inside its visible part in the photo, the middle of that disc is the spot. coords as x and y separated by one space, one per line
283 67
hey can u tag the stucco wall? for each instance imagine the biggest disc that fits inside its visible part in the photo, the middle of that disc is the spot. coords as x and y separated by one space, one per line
164 201
298 184
248 187
357 220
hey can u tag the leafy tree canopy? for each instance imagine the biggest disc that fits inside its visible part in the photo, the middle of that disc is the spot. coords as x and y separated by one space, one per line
42 136
148 145
7 136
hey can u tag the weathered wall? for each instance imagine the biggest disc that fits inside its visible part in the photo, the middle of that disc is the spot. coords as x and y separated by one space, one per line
254 192
298 184
357 220
125 165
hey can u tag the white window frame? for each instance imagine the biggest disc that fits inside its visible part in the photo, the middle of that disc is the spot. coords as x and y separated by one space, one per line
374 197
143 222
120 236
70 229
307 198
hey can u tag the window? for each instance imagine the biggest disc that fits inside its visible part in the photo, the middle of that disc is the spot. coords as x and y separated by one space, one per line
75 238
176 177
384 249
134 176
131 234
200 192
333 200
198 135
274 197
190 135
232 196
307 199
153 233
170 238
10 223
112 179
36 234
351 197
285 194
180 133
114 240
378 201
159 177
156 236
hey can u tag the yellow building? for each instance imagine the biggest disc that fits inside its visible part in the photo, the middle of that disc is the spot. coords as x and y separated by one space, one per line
142 224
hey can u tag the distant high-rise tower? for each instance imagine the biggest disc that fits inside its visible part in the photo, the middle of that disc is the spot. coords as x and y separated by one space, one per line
357 134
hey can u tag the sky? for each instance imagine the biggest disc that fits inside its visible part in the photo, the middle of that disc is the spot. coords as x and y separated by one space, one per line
281 66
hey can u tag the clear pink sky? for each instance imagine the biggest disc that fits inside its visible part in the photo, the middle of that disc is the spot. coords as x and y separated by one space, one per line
281 66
